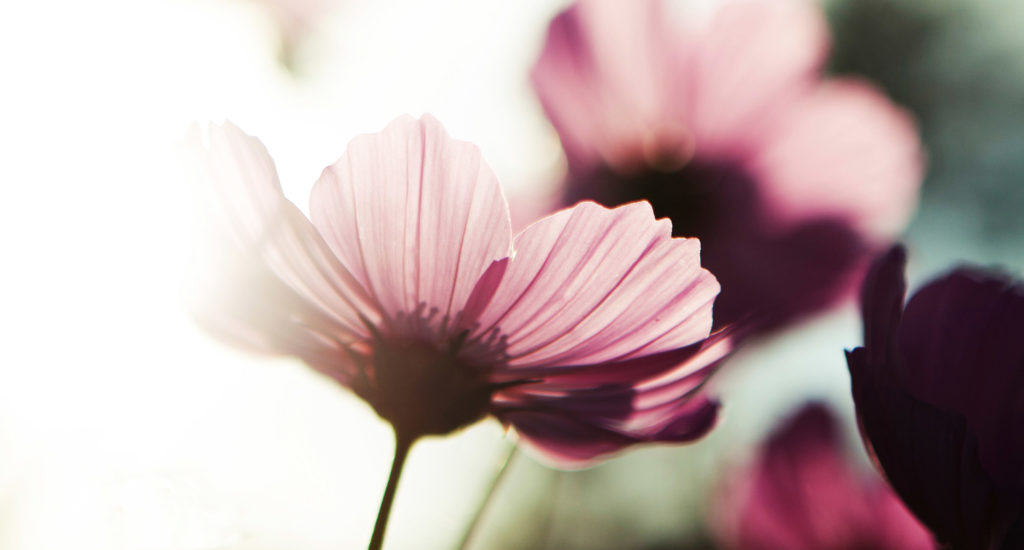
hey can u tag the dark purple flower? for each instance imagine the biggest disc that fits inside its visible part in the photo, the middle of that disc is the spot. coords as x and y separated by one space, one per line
803 493
939 388
727 128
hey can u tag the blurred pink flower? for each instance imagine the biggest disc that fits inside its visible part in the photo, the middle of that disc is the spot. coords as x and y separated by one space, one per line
802 493
588 332
727 127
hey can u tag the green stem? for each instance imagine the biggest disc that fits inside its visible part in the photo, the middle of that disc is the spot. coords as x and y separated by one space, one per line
402 445
474 525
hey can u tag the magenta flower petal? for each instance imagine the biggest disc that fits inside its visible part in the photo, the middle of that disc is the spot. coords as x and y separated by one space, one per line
576 430
575 292
603 94
726 127
587 333
576 415
752 59
563 439
943 379
846 152
802 493
416 216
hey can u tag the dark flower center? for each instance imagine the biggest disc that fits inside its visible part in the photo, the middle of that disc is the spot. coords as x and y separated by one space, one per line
702 198
422 390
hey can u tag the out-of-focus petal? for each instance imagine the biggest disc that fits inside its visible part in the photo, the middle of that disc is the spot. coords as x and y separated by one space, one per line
803 494
754 56
775 278
894 523
417 217
604 77
799 494
307 303
844 152
592 285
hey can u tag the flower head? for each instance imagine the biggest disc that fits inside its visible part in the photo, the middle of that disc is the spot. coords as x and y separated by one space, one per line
802 493
939 388
727 128
587 332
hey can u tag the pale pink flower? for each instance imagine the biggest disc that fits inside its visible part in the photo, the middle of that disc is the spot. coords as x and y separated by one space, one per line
727 127
587 332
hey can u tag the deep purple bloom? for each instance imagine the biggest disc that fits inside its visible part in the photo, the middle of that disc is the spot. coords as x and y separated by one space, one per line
728 129
803 493
939 388
588 332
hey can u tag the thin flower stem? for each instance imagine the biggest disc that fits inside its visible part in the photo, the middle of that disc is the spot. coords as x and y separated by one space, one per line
402 445
485 505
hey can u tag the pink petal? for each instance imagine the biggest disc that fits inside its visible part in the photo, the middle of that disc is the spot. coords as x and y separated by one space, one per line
753 57
630 371
603 414
564 441
593 285
416 216
895 523
604 77
801 493
574 432
268 282
843 151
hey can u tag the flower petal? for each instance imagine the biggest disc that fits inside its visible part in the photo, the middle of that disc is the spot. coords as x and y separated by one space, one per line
752 57
882 303
603 77
961 341
570 434
417 217
308 304
843 151
927 455
593 285
659 373
564 441
802 494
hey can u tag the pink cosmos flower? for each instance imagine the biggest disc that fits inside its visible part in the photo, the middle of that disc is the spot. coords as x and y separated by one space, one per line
726 126
588 332
802 493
